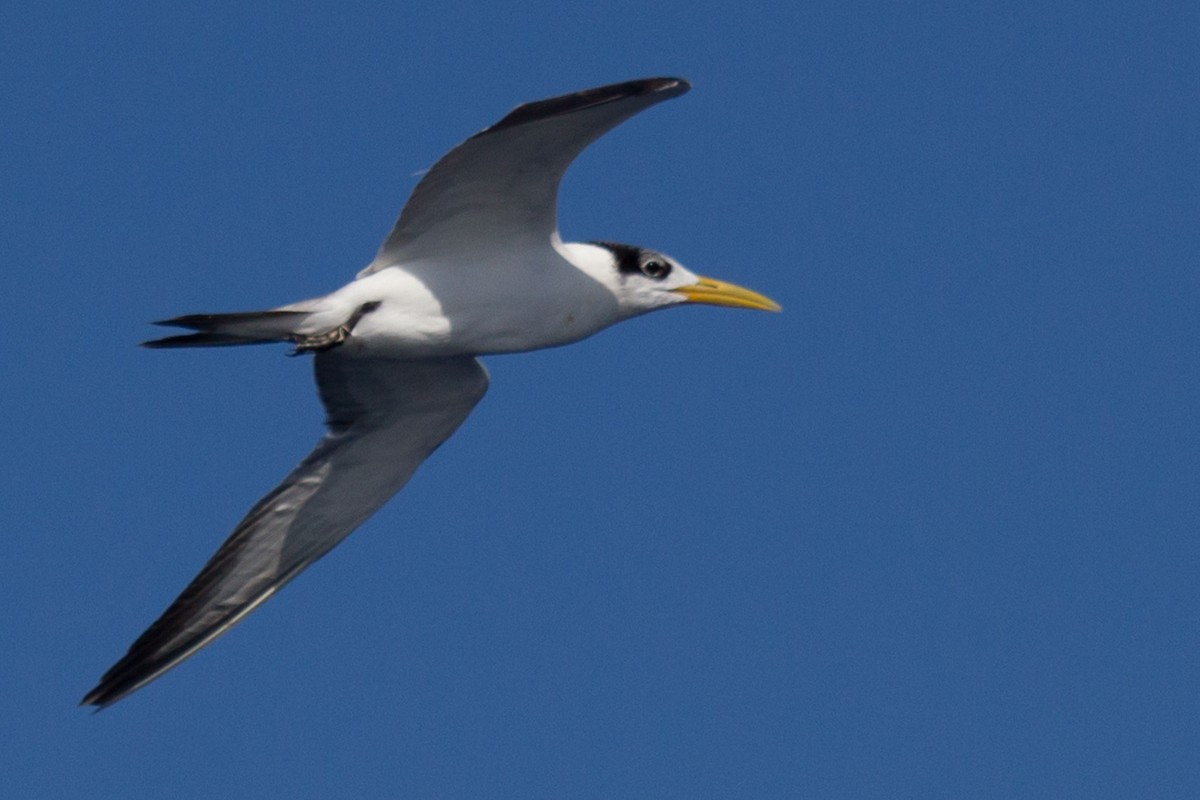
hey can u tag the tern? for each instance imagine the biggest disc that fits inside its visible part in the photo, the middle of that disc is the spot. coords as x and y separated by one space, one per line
474 266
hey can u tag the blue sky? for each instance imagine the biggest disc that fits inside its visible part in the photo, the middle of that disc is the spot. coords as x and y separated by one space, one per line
932 532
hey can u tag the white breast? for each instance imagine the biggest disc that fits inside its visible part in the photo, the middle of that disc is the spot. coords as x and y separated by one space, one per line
493 305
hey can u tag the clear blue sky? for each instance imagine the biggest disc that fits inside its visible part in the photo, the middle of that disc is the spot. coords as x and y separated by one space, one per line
932 532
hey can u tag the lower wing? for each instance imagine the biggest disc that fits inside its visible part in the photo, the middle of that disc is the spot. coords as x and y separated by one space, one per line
384 417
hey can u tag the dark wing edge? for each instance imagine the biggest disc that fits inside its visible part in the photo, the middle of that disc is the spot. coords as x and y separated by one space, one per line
505 178
587 98
384 417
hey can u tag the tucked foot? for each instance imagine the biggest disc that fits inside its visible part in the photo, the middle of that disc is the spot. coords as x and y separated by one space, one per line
316 342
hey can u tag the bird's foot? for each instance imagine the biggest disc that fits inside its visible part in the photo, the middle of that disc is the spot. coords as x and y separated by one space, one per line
317 342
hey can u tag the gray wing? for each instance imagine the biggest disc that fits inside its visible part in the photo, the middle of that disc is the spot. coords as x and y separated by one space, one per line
384 418
499 188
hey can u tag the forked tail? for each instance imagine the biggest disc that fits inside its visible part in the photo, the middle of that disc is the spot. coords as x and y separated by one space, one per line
244 327
260 327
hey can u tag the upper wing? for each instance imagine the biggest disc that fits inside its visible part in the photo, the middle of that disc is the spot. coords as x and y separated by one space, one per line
499 188
384 417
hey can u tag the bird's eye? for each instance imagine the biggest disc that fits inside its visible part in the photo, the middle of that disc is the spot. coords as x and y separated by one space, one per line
656 269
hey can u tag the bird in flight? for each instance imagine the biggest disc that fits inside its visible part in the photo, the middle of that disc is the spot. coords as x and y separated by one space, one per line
474 266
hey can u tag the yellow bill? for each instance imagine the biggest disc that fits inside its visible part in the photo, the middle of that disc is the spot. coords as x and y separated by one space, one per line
719 293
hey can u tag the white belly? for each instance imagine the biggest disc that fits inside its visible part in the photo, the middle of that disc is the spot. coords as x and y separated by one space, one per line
441 310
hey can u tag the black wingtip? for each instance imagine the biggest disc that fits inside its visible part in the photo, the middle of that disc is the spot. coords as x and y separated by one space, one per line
124 678
95 700
587 98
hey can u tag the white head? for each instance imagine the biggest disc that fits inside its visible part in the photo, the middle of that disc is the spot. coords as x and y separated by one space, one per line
644 280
